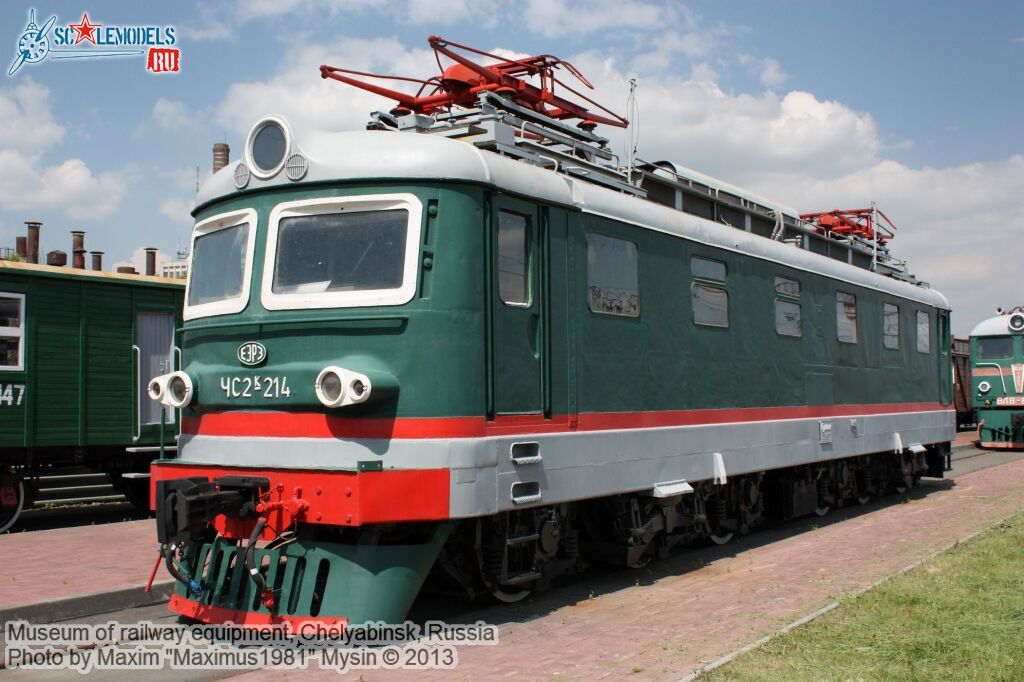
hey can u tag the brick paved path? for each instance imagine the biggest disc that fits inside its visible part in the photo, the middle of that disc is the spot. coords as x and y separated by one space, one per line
46 565
674 621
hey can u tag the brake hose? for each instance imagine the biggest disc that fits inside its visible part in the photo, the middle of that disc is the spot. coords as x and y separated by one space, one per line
194 586
266 594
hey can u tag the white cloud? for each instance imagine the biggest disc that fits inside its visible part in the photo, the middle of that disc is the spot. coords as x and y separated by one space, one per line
219 22
772 73
175 116
703 72
178 210
559 18
27 132
767 70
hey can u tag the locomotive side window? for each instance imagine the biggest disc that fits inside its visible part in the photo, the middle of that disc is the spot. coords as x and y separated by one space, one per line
12 331
513 258
890 326
995 347
924 332
846 317
787 307
329 252
705 268
710 298
613 276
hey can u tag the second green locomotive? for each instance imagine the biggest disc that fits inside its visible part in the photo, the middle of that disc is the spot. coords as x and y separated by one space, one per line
997 372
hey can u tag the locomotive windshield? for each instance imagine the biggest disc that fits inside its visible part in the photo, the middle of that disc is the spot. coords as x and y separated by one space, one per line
218 265
990 348
355 251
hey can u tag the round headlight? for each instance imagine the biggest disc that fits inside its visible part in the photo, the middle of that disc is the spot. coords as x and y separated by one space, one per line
267 147
1017 322
179 390
330 389
984 387
155 390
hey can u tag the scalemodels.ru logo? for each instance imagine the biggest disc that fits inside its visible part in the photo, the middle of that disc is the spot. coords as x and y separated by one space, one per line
88 40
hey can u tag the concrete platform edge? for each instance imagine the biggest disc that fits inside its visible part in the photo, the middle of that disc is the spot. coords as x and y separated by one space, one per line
88 605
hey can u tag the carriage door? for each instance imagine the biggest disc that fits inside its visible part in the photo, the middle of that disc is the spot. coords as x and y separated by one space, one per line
516 302
154 341
945 344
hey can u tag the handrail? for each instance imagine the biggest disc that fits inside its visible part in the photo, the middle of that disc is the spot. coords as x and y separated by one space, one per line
138 396
992 364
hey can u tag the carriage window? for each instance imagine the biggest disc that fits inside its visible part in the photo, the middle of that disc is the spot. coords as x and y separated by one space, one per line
924 332
218 265
710 305
846 317
710 298
12 330
613 276
513 258
890 326
787 307
707 269
995 347
787 287
336 252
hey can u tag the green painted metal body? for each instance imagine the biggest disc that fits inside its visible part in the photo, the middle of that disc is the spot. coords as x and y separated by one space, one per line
457 350
80 397
998 426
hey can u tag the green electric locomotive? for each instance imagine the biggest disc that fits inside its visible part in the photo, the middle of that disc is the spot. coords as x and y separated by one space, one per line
470 341
997 372
77 349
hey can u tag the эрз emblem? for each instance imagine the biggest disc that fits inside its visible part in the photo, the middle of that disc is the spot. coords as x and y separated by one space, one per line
252 353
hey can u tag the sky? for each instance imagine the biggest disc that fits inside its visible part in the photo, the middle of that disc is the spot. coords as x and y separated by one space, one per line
917 106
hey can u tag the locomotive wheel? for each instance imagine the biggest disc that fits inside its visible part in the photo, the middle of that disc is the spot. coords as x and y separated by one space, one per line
821 511
9 515
720 539
506 597
863 499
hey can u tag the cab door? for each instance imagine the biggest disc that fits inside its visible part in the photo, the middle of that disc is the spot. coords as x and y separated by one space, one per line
154 349
516 296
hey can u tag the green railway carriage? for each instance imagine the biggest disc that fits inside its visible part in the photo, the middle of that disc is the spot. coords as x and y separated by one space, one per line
77 349
444 349
997 375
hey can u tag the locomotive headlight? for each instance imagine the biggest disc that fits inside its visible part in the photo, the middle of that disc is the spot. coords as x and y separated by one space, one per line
157 387
337 387
330 389
179 392
984 387
1016 322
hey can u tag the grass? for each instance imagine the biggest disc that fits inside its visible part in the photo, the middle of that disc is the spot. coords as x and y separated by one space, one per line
959 616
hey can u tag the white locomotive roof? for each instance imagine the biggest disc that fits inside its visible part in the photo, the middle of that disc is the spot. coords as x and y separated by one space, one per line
380 155
993 326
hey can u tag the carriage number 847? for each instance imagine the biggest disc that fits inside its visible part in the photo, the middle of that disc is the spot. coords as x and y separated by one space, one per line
255 386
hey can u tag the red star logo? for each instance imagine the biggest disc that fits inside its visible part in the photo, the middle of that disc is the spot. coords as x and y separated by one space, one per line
85 30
